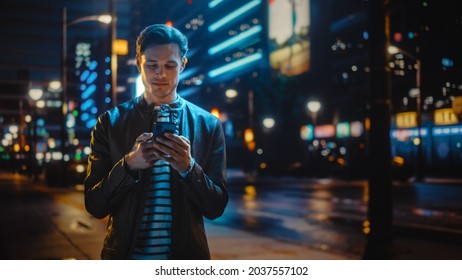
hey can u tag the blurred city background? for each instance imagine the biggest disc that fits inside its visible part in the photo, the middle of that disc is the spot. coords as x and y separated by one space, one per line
290 81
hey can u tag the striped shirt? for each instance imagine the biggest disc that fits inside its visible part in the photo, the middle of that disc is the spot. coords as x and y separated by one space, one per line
154 235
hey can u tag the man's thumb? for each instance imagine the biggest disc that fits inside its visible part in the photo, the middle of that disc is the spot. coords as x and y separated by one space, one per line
144 137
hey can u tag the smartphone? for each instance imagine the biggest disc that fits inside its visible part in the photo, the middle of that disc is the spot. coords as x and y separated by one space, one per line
162 127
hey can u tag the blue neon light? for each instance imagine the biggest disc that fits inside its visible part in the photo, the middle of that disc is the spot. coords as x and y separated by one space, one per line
448 130
366 35
235 39
235 64
40 122
409 132
84 75
188 92
91 123
88 92
214 3
93 65
189 72
447 62
233 15
84 116
92 77
87 104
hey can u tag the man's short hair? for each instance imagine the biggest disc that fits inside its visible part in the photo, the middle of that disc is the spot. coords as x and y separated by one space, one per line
161 34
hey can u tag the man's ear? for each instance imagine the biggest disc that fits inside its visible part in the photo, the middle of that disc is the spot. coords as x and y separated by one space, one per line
183 63
138 63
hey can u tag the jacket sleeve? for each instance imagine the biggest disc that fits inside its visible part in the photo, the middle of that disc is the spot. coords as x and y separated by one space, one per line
105 182
206 186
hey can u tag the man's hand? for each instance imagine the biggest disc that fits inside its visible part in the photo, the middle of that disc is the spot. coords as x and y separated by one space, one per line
175 149
143 153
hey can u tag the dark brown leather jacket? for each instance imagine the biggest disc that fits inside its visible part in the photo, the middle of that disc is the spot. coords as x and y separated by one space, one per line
111 190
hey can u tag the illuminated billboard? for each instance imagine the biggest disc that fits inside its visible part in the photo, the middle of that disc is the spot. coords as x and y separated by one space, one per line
307 132
289 25
343 130
324 131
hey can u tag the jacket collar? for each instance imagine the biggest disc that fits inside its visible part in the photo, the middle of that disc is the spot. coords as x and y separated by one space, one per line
141 103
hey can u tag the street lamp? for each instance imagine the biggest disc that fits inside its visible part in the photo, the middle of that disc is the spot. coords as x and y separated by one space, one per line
268 122
314 107
394 50
65 24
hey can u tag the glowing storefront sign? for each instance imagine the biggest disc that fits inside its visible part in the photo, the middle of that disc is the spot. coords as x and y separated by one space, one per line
356 129
445 116
324 131
406 119
307 132
343 130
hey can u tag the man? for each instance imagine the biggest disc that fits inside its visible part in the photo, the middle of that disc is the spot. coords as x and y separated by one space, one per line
156 189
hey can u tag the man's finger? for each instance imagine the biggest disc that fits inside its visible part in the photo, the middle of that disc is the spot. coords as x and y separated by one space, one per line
177 138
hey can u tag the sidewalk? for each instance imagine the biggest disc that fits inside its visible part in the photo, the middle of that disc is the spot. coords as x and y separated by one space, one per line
39 222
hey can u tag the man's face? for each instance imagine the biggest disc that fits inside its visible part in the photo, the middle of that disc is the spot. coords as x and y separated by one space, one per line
160 67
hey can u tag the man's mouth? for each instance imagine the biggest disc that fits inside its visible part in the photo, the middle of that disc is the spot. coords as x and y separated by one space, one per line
159 84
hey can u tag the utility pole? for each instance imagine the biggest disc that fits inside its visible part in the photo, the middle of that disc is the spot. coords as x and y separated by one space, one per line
62 170
113 32
419 173
380 238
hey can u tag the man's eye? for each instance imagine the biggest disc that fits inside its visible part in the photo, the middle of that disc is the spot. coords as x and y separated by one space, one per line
171 66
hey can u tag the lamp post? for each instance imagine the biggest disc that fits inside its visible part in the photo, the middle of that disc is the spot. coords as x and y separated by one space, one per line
64 25
314 106
394 50
35 95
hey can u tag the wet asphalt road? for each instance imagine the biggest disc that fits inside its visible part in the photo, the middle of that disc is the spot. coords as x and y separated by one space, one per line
332 215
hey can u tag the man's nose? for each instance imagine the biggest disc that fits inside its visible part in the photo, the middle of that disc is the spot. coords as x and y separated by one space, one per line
160 71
